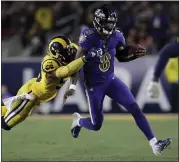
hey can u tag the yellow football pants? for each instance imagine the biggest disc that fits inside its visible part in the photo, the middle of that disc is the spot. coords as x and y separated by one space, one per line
20 109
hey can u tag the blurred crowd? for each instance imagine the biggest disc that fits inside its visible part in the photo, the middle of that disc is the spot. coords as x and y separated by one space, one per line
151 24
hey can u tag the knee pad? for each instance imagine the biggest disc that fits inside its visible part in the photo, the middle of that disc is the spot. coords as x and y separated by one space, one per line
4 125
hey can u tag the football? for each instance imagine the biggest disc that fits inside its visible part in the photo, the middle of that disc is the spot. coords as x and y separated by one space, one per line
130 52
133 49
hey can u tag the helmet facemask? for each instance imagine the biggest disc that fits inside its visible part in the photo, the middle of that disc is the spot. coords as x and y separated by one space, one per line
62 50
70 53
105 25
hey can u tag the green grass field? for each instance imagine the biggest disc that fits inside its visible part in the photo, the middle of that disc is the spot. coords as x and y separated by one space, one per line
47 138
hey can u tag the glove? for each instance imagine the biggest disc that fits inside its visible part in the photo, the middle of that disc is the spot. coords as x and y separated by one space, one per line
153 89
91 54
68 93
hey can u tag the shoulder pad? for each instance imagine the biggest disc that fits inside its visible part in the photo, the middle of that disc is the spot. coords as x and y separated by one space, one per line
89 32
50 65
119 32
85 33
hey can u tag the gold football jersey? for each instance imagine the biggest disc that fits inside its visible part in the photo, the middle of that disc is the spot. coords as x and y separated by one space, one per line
46 88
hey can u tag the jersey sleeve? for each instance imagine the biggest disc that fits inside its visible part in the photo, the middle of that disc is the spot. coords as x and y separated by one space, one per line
84 40
50 65
70 69
120 39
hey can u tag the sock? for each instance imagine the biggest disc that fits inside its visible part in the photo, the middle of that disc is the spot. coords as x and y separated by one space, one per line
153 141
141 120
78 122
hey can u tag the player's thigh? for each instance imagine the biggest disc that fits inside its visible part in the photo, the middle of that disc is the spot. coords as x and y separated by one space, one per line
20 110
95 99
120 93
26 88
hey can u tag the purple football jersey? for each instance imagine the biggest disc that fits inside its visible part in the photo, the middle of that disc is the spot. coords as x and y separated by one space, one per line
100 69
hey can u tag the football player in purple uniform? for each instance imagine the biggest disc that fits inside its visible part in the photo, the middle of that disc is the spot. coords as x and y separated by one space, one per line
107 42
171 50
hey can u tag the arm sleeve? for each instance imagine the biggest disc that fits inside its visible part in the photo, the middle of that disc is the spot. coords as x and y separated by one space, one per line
70 69
169 51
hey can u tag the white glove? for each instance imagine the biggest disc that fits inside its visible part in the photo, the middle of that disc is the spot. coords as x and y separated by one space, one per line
153 89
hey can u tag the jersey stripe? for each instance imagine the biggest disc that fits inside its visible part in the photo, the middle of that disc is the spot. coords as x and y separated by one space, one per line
89 106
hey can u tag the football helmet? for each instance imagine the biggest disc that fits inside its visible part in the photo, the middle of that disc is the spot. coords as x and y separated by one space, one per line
105 20
62 48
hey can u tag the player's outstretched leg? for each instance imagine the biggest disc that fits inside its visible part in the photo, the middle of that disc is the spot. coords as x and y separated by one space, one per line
95 100
121 94
157 145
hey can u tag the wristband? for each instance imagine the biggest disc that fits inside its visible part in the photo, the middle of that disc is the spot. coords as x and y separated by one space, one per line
72 86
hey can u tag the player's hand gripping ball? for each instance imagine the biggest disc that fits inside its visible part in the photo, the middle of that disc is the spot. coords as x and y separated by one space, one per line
137 50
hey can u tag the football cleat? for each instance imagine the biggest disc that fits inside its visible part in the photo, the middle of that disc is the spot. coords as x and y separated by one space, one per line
75 128
160 146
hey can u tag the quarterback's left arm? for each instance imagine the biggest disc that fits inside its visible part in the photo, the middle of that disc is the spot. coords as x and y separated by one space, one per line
129 53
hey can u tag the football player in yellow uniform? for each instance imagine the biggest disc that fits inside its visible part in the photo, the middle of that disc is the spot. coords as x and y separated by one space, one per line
56 67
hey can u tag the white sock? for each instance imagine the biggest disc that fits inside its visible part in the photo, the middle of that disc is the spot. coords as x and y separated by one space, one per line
78 122
153 141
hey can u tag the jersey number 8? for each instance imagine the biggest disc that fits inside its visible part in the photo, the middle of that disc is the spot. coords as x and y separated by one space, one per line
105 62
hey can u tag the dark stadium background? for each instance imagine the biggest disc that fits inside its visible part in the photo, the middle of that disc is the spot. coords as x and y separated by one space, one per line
27 27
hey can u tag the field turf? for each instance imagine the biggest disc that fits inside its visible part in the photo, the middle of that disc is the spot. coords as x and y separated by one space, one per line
48 138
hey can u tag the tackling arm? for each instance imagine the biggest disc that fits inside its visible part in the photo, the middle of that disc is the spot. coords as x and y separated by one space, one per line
70 69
